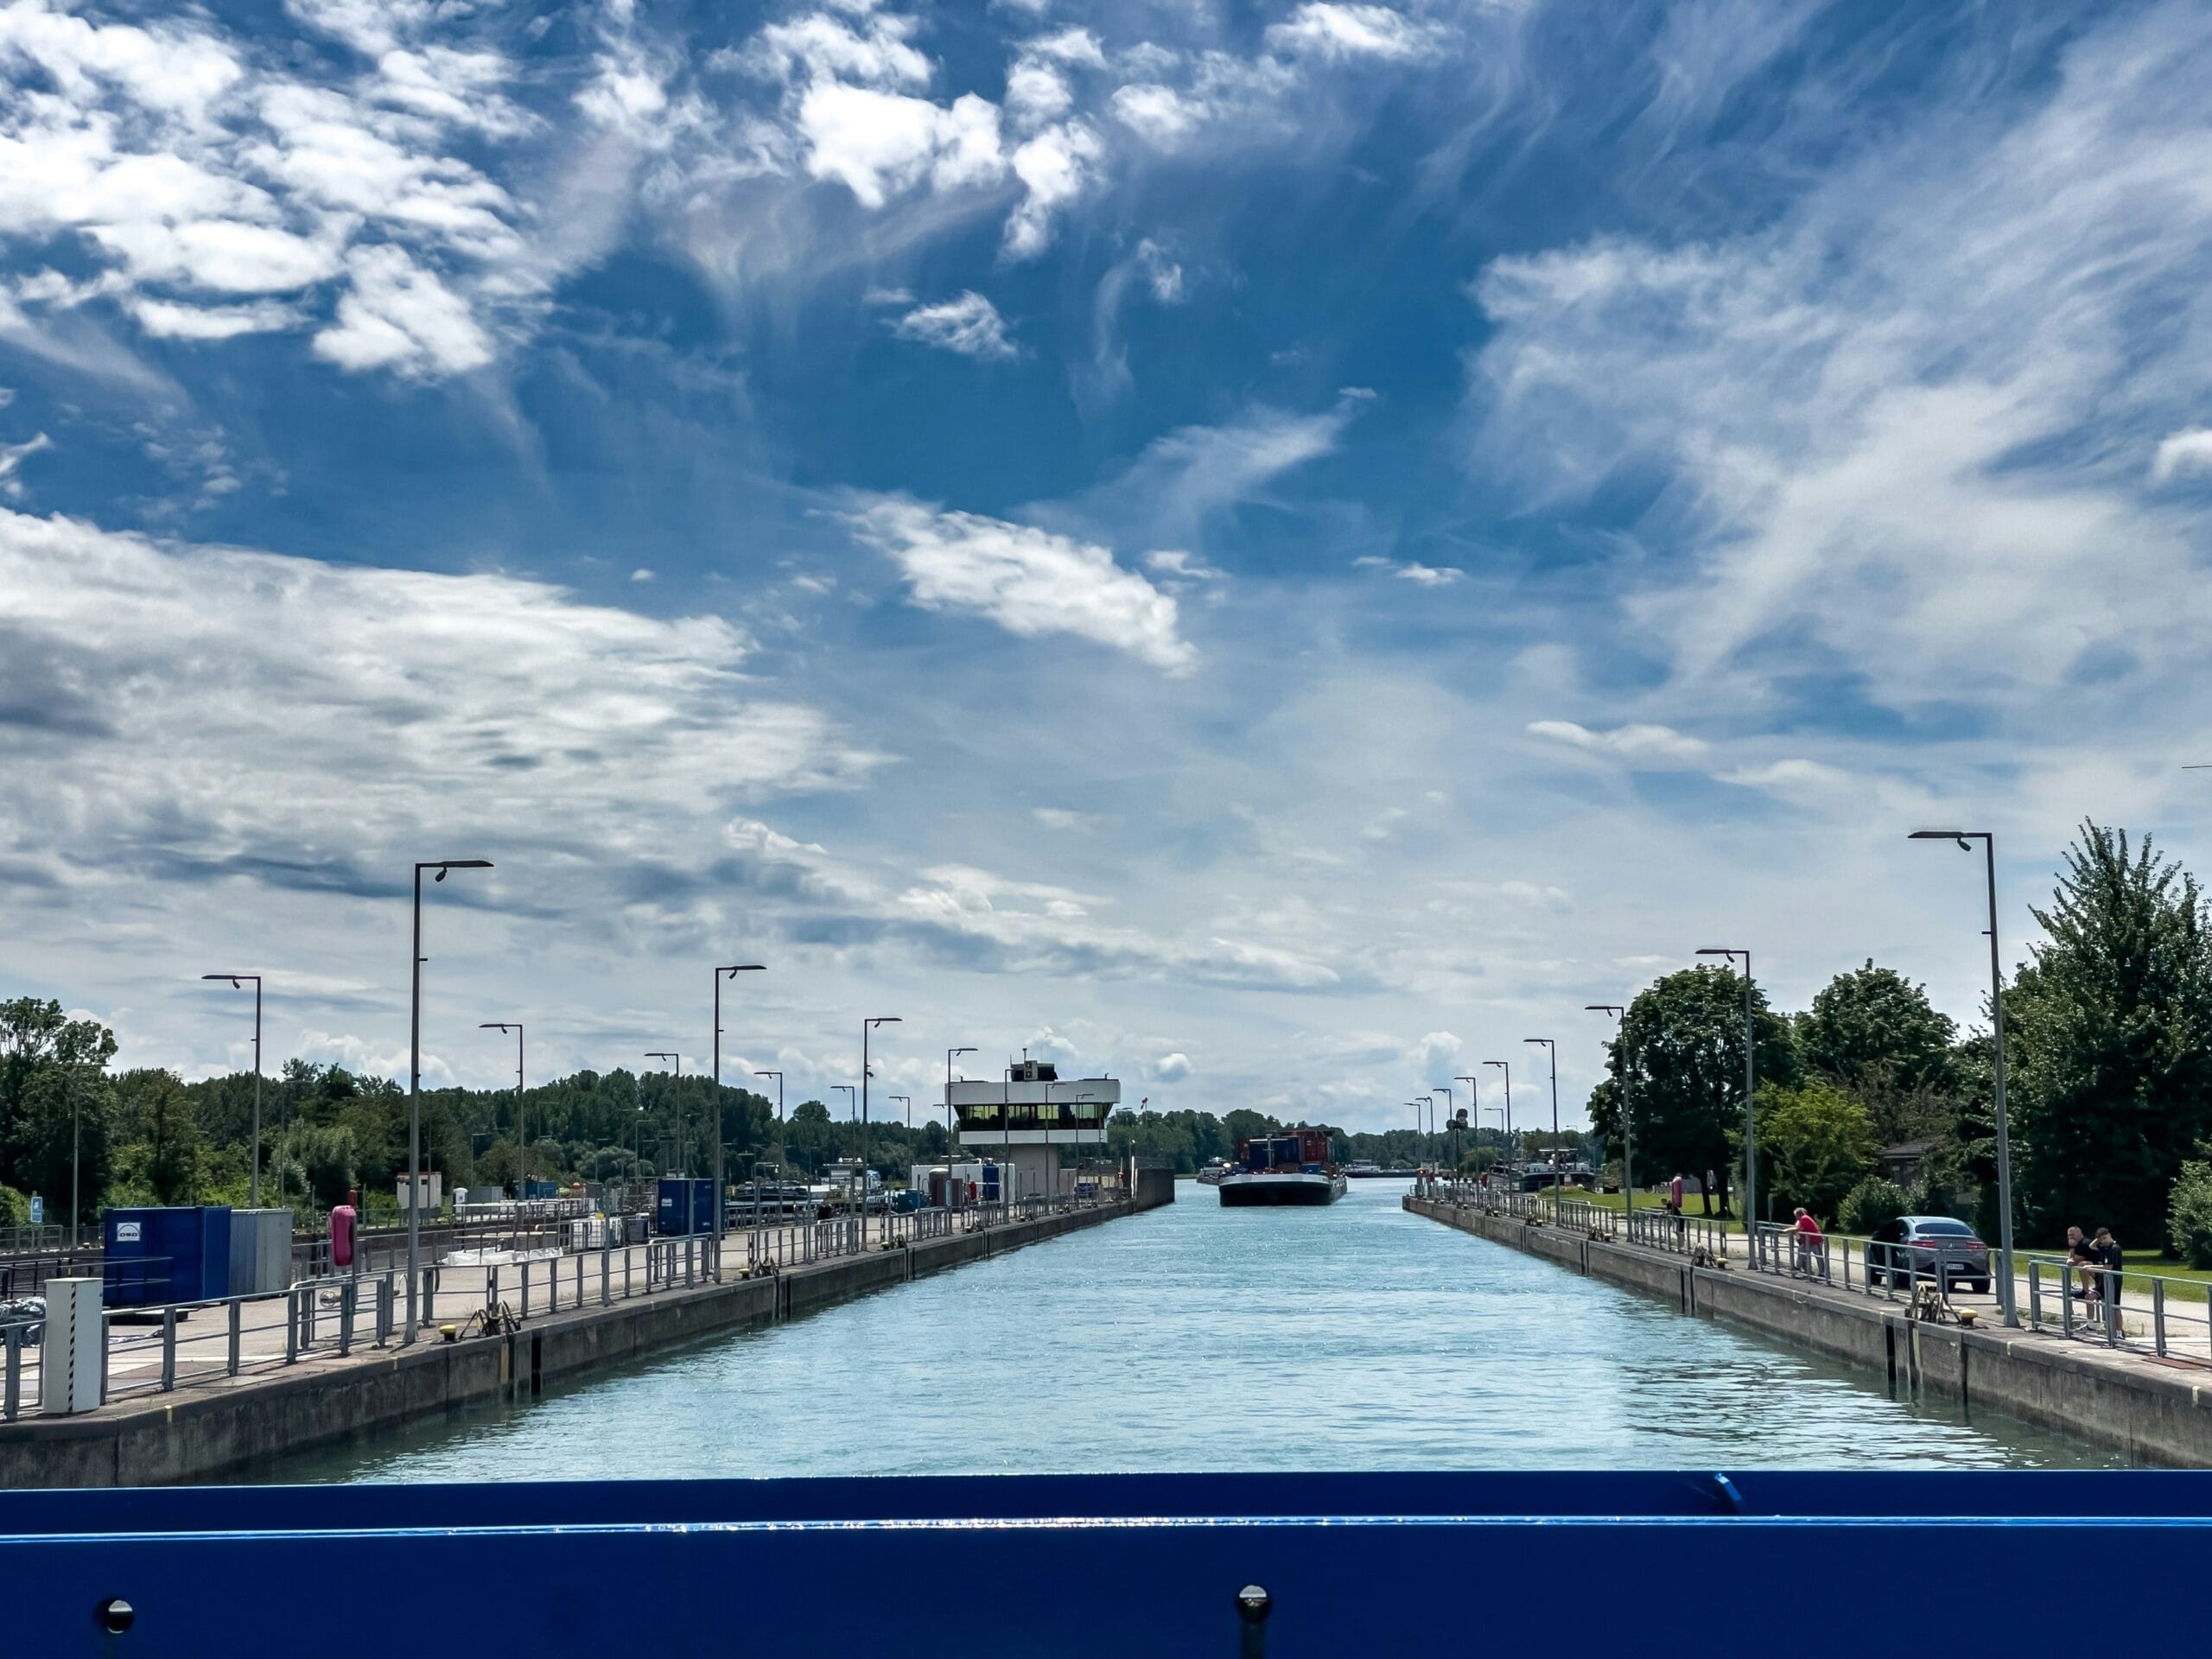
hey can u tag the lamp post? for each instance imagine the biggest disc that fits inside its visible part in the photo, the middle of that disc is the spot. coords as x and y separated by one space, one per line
1450 1104
238 982
909 1099
1475 1105
951 1186
522 1139
1417 1134
1552 1050
1965 838
1506 1066
415 1082
866 1026
782 1174
1750 1084
732 972
1627 1135
676 1061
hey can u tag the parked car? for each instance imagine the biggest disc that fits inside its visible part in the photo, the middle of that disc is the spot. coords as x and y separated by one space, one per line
1922 1247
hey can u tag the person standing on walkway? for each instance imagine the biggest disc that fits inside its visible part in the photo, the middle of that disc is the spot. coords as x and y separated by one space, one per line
2082 1257
1810 1244
2110 1258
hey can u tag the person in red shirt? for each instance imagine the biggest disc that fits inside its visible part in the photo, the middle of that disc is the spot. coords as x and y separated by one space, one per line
1811 1247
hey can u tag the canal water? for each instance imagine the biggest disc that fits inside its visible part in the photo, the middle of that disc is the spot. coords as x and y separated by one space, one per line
1192 1338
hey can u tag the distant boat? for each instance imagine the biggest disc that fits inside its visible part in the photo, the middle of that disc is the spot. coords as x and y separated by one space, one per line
1212 1174
1362 1170
1291 1167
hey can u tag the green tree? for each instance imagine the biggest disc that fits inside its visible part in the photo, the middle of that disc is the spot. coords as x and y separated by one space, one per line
1874 1202
1679 1051
2109 1041
2188 1215
1875 1020
1873 1033
1815 1144
156 1119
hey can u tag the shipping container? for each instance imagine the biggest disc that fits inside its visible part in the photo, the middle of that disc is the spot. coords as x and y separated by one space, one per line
179 1253
261 1251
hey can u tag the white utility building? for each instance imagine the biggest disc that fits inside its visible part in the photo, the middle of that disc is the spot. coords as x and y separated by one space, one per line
1023 1119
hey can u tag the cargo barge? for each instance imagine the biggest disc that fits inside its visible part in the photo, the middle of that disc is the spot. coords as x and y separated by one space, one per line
1291 1167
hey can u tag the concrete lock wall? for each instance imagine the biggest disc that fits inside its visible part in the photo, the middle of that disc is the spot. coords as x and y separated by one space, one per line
2153 1414
229 1426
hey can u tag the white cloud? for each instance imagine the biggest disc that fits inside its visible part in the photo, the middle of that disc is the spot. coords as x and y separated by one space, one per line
1175 565
1159 114
1171 1068
2183 452
877 144
166 320
1061 818
1029 582
233 712
1324 30
398 316
878 54
1883 449
969 325
12 456
1422 576
1037 93
1057 166
1631 742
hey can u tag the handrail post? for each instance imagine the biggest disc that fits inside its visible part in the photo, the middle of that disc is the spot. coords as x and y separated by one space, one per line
2035 1295
169 1348
11 1393
237 1311
2158 1316
291 1325
346 1317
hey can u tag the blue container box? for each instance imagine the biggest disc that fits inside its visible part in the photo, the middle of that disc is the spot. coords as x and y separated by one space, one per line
687 1206
155 1256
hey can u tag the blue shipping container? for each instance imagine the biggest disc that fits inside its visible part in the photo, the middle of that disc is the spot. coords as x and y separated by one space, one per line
686 1206
179 1253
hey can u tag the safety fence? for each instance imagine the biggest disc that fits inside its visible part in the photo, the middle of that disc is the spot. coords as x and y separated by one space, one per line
153 1351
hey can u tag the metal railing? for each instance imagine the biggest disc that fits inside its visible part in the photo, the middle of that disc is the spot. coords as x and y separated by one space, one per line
1680 1235
154 1350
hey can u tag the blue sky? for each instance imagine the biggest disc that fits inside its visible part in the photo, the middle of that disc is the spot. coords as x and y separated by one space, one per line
1273 549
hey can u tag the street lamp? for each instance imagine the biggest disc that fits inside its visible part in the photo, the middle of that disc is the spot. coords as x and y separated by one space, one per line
521 1137
866 1026
909 1099
414 1082
782 1153
1750 1084
238 982
1474 1102
1417 1133
676 1061
951 1186
741 968
1506 1066
1450 1104
1965 838
1552 1050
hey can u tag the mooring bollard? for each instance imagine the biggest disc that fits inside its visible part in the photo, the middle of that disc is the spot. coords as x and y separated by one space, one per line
1253 1606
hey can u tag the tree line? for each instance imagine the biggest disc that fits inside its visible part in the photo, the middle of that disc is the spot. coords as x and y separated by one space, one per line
146 1136
2108 1085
